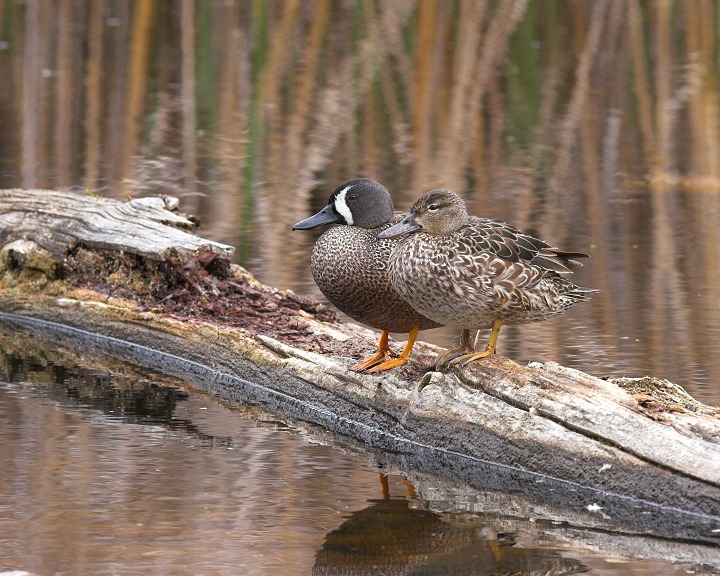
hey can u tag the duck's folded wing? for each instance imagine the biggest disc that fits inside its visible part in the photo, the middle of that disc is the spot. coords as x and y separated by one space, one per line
514 245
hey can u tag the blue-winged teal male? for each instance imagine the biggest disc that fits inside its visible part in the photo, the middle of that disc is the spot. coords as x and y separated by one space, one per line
349 265
476 273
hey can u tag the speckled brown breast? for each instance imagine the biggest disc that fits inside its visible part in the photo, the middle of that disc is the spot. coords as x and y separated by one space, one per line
349 265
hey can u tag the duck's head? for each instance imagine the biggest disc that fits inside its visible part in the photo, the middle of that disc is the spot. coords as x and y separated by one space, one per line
361 202
436 212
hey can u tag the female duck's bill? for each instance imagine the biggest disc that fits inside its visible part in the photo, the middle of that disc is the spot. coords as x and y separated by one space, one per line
405 226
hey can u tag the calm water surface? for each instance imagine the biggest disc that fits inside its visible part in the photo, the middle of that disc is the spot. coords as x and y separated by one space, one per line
108 469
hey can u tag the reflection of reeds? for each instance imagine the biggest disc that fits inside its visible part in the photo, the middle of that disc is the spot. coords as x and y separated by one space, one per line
116 79
475 64
425 85
434 80
573 116
65 106
641 86
703 100
33 162
137 81
233 97
93 94
187 96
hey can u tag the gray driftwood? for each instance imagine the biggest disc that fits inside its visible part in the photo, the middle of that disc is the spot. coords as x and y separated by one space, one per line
55 220
639 454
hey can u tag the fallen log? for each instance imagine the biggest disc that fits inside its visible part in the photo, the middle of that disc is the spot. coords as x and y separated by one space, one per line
161 297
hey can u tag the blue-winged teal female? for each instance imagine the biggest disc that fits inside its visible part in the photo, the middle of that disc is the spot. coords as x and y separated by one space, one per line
476 273
349 265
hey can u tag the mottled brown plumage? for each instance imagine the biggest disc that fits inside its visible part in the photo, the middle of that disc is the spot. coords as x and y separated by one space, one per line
476 273
349 264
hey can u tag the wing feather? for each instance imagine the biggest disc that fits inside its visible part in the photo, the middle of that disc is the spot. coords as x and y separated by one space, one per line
511 244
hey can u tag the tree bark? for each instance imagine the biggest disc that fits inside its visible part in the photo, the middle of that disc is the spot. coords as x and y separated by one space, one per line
641 451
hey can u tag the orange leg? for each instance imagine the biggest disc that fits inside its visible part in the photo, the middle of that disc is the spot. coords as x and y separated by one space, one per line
388 364
465 347
383 355
489 349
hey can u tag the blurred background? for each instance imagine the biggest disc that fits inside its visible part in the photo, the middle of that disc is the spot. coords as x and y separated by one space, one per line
594 125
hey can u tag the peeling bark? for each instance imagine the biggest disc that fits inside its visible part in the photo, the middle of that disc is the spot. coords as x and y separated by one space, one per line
56 221
549 432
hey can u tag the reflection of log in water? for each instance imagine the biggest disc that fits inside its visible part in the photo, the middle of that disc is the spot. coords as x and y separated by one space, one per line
391 537
559 518
121 392
114 278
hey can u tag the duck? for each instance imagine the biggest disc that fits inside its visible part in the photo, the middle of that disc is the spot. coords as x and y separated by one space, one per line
476 273
349 264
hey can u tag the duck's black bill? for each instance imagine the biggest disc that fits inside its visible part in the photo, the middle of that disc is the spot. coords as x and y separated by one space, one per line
407 225
326 216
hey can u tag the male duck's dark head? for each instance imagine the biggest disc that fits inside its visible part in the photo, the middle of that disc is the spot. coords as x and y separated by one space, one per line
361 202
436 212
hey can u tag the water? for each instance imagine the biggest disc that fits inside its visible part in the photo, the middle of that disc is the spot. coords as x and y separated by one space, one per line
112 469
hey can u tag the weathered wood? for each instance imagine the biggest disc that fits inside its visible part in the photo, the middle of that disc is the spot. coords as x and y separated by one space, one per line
603 441
604 410
58 220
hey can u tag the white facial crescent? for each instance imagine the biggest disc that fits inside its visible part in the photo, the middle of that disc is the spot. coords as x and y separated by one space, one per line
342 207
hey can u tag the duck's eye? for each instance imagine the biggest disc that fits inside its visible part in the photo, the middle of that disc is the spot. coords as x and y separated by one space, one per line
353 196
433 207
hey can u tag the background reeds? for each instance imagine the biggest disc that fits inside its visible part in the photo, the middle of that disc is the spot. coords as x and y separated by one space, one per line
595 125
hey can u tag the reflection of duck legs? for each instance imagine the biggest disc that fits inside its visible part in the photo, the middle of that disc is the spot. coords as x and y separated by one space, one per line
385 487
491 537
488 533
390 536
